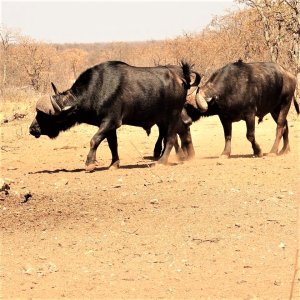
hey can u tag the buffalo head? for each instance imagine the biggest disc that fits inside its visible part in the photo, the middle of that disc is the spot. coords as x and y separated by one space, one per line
53 114
198 98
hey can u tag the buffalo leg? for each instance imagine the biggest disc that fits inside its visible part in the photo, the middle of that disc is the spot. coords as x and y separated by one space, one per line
158 150
170 139
227 127
282 130
113 146
180 152
158 145
250 123
100 135
169 145
186 141
286 146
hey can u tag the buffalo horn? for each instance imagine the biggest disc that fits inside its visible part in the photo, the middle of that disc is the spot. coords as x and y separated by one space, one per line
201 103
44 105
54 88
56 107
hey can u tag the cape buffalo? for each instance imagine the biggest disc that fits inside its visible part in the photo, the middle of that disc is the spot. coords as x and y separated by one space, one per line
241 91
114 93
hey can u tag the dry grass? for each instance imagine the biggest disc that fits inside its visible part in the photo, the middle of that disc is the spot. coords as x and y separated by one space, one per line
16 103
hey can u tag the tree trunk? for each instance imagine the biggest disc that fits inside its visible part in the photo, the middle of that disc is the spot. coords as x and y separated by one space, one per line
297 50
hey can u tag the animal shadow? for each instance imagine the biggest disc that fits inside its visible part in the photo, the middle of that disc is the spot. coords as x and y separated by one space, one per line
63 170
234 156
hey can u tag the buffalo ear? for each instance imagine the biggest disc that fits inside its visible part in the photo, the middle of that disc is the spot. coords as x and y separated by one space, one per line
56 92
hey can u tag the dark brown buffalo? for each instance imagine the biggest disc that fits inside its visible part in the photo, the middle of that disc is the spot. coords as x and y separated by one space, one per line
114 93
241 91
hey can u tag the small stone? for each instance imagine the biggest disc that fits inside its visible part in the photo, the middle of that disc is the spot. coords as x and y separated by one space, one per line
154 201
52 267
116 186
26 196
27 269
12 168
4 186
62 182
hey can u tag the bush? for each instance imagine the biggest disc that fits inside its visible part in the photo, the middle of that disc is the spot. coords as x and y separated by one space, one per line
17 103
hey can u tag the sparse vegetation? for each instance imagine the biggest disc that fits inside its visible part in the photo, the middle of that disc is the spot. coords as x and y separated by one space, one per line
265 31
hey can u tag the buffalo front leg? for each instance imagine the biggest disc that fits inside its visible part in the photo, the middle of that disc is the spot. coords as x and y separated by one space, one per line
100 135
113 146
180 152
250 123
170 141
158 145
186 141
227 127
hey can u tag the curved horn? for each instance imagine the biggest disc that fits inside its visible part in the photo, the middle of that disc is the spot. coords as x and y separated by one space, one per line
201 102
44 105
56 107
54 88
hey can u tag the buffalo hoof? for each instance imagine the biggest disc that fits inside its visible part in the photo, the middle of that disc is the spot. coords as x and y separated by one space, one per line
284 151
259 154
115 165
161 163
181 156
91 167
156 155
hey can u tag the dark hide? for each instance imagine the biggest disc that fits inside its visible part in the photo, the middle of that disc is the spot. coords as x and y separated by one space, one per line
113 93
241 91
185 151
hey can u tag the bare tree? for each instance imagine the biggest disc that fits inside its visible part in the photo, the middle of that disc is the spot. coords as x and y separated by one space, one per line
7 37
294 28
37 60
272 26
281 22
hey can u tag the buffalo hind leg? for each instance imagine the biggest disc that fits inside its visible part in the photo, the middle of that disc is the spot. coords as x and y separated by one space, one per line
227 127
113 146
281 131
286 145
250 123
169 139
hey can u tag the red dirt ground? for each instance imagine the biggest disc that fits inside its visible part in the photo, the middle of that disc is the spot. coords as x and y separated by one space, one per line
207 228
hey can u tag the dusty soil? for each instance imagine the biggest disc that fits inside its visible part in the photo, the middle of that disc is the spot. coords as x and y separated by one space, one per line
207 228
